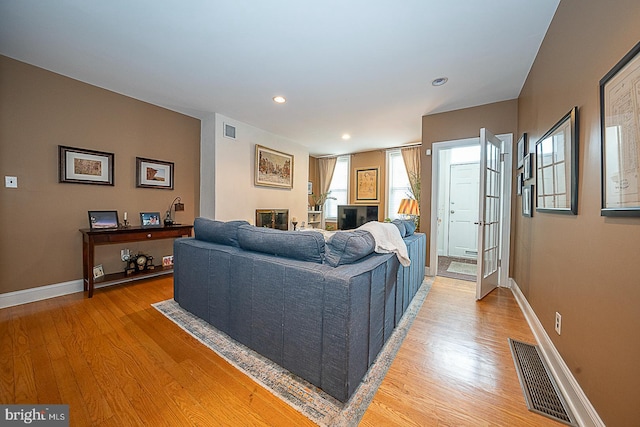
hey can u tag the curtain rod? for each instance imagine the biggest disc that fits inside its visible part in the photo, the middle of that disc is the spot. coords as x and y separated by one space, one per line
414 144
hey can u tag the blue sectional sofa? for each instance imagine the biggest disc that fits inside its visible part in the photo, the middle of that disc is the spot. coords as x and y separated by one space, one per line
321 310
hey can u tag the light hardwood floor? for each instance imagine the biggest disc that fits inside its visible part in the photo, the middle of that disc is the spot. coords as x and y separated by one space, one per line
117 361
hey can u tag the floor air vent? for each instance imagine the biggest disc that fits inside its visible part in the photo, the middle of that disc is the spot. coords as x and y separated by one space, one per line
540 390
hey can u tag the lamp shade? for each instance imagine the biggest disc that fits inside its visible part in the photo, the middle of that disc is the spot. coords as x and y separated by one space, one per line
409 207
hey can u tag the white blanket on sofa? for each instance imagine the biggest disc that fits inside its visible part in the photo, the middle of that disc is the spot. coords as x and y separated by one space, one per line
388 240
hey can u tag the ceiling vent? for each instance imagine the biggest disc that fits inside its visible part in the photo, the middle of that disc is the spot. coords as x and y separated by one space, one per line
229 131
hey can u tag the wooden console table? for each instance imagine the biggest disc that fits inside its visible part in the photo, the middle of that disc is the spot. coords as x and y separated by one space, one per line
93 238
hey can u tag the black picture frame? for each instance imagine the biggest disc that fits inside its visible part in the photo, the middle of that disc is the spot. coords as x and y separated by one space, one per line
103 220
527 200
150 219
152 173
521 149
557 167
84 166
519 184
619 121
527 170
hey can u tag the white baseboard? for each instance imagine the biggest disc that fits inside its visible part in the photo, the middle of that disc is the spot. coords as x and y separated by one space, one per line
578 402
10 299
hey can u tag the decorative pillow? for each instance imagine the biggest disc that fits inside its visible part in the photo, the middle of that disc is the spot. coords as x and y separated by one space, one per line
224 233
302 245
347 247
401 227
410 227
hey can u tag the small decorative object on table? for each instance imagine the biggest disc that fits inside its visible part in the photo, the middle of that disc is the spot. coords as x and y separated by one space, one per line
294 221
138 262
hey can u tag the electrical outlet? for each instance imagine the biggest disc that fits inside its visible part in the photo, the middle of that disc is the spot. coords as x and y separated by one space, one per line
558 326
11 181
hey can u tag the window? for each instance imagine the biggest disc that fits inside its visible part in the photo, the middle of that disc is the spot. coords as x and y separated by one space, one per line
339 188
397 183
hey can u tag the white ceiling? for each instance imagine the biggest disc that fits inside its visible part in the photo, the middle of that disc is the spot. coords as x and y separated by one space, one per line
362 67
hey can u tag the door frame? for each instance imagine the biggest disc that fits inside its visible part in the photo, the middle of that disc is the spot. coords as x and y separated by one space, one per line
507 165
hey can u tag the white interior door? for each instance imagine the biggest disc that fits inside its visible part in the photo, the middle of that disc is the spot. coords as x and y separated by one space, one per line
463 210
489 210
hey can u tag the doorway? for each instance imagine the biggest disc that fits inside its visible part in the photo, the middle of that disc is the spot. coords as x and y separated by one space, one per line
457 210
455 196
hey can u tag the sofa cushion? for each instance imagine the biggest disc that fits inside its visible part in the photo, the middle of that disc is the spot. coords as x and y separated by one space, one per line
347 247
409 226
224 233
401 228
302 245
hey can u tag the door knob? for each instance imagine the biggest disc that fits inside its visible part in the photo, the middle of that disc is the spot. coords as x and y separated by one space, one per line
453 211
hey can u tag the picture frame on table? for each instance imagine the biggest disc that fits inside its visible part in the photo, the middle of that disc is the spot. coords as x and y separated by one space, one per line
152 173
367 185
273 168
150 219
619 124
98 271
84 166
99 220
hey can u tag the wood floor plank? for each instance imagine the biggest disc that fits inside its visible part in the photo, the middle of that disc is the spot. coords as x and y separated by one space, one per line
118 362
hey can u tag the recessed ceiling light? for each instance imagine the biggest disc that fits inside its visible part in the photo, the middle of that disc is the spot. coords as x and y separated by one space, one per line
279 99
439 81
346 136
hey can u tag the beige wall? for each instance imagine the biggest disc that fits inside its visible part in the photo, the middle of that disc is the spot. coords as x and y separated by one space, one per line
586 266
366 160
39 239
499 118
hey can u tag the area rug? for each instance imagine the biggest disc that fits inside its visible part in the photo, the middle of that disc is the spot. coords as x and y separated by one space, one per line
463 268
306 398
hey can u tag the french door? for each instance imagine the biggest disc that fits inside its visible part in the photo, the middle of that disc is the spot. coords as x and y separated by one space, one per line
489 211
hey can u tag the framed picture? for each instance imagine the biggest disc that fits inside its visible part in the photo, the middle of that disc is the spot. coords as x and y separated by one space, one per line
103 219
527 175
81 166
522 149
557 167
273 168
154 174
527 200
519 184
309 188
367 185
619 125
150 219
167 261
98 271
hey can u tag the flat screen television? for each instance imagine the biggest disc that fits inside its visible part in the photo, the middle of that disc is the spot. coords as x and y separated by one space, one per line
353 216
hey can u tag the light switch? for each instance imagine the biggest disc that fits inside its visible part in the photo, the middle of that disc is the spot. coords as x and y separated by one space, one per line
11 181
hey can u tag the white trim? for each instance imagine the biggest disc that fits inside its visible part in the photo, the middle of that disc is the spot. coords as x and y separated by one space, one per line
507 149
578 402
25 296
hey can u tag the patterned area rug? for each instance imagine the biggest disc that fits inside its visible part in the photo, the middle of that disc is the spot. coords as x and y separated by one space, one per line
308 399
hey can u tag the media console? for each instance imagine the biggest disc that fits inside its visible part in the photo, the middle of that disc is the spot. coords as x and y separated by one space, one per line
93 238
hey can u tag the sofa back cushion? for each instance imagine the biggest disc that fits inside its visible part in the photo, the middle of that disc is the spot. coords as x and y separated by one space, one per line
224 233
301 245
347 247
406 226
